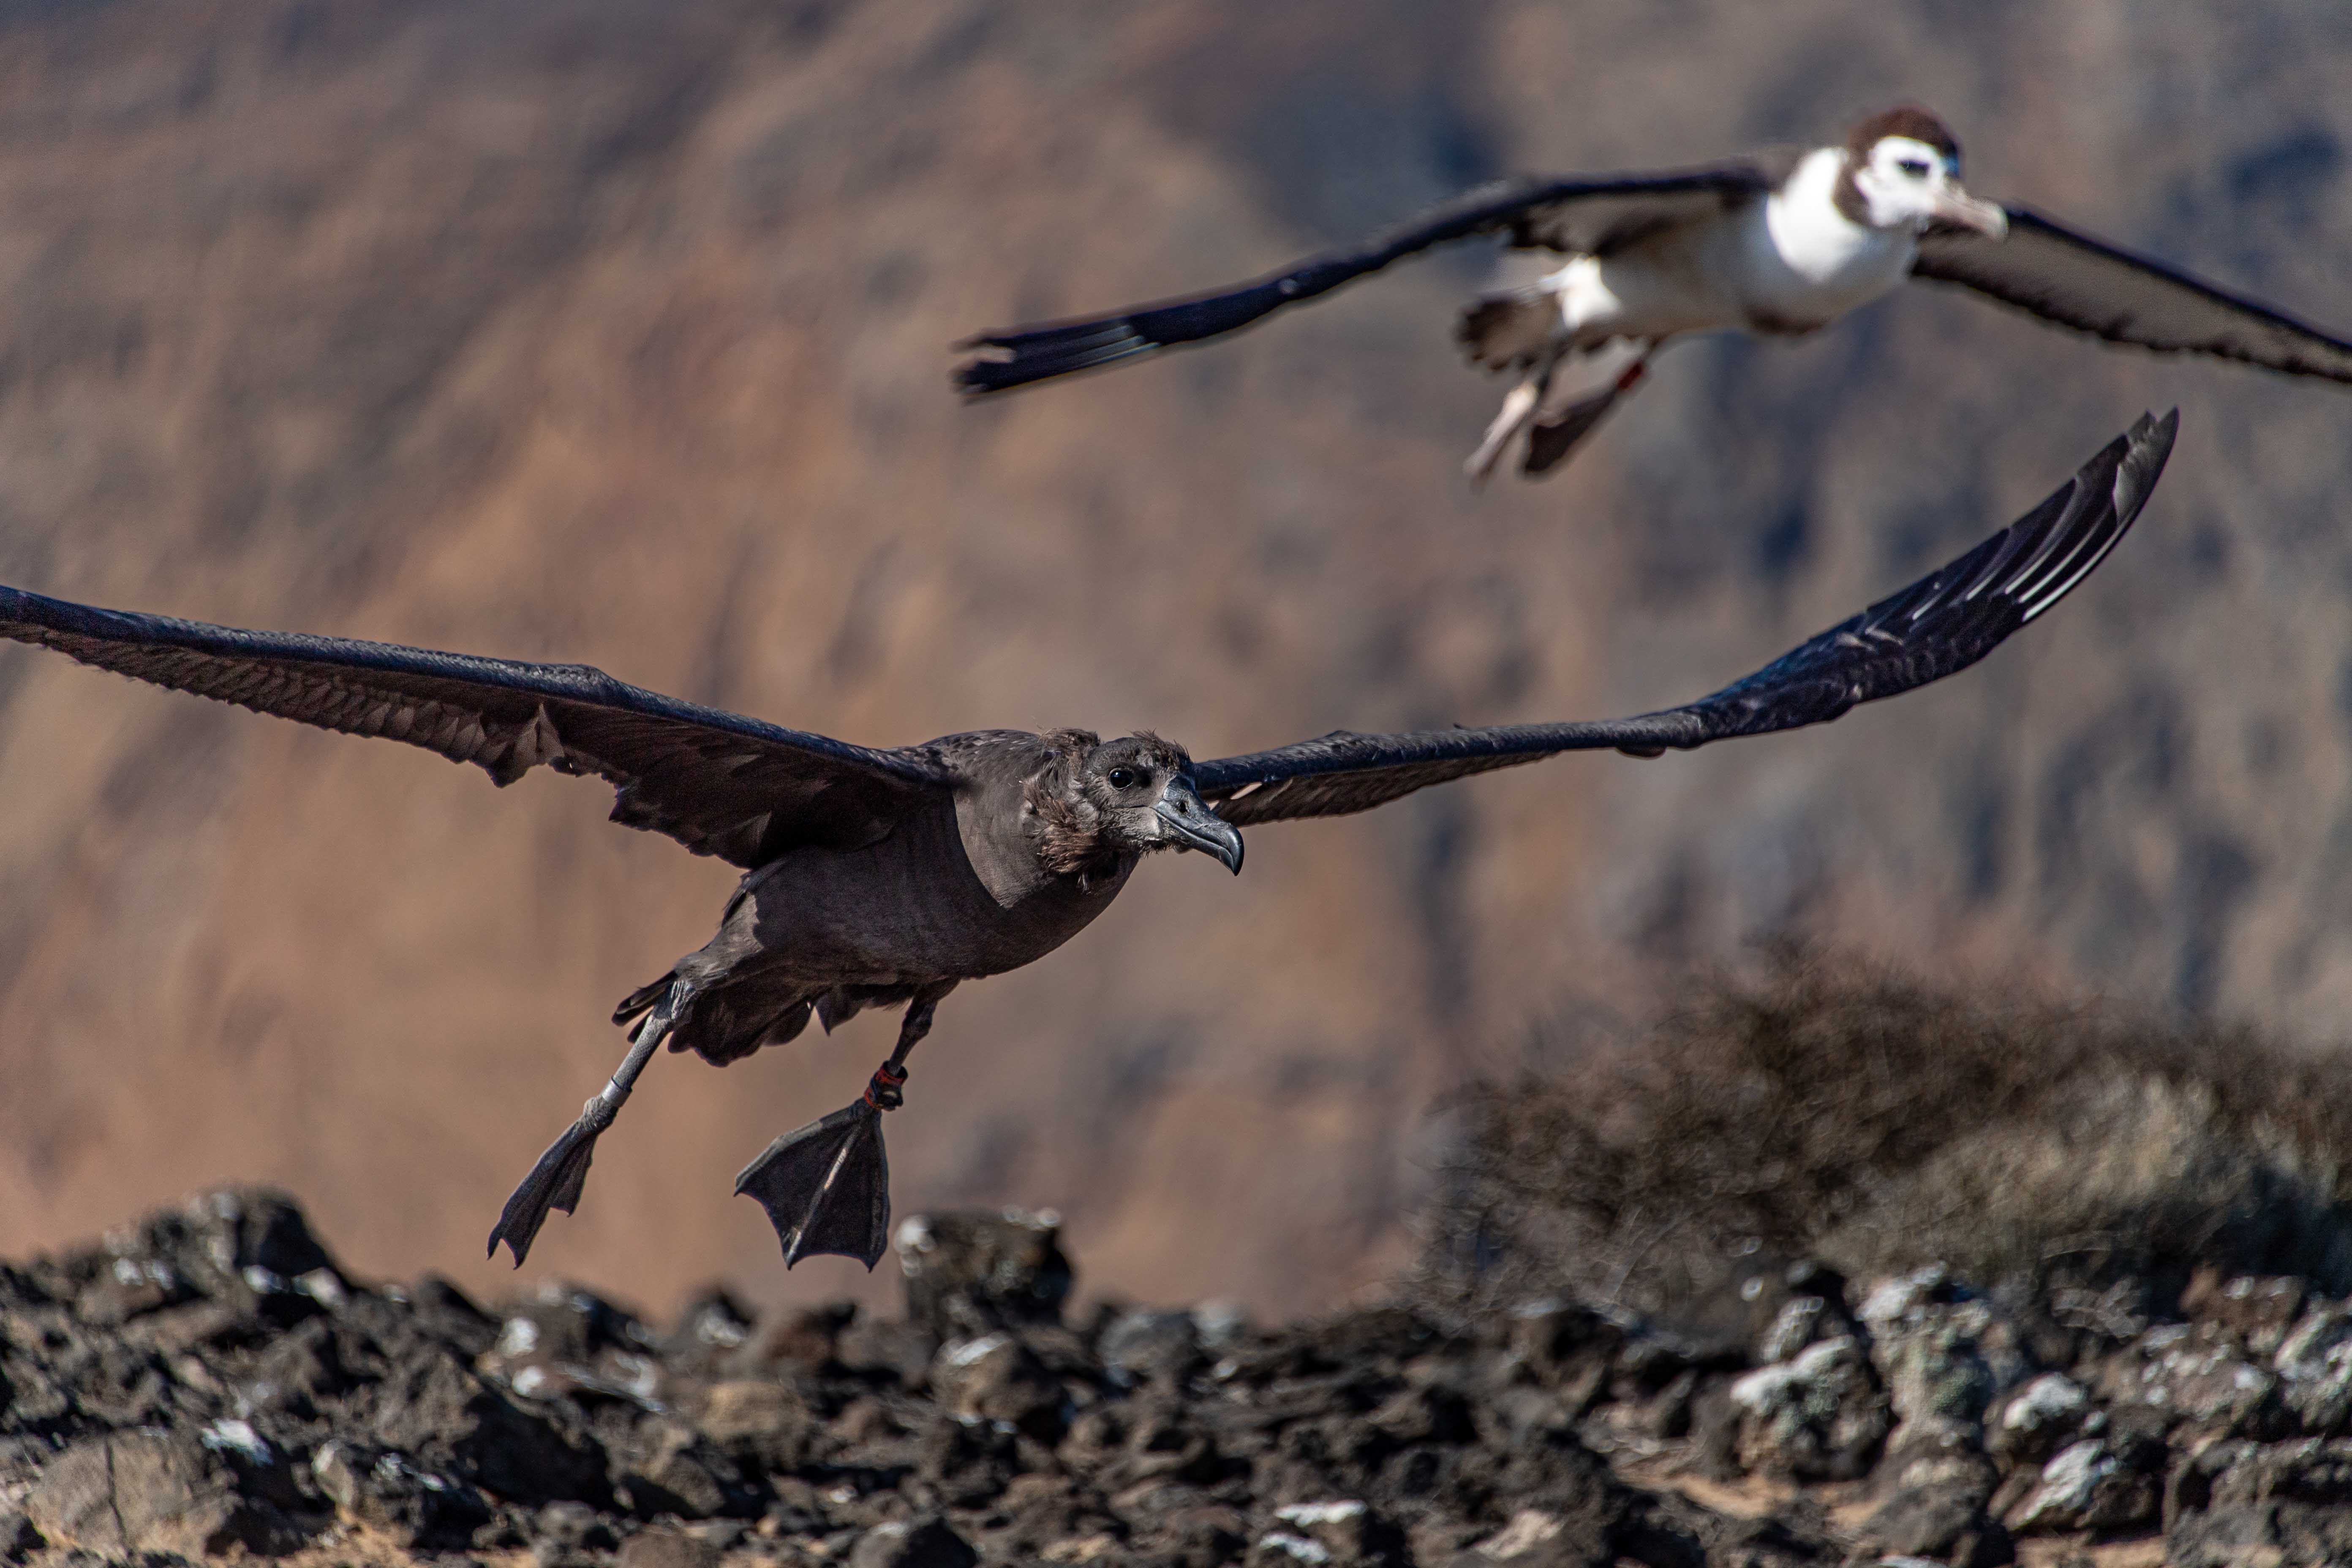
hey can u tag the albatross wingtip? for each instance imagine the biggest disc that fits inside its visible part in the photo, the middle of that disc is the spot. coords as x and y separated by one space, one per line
2147 448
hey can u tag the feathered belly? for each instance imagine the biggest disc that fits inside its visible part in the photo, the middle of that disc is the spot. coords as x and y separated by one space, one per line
1655 291
871 918
1795 276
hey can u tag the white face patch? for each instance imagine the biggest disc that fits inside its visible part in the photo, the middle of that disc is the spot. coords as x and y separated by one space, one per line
1904 181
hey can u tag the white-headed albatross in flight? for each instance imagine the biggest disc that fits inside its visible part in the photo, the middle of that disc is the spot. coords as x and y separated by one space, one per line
877 878
1783 242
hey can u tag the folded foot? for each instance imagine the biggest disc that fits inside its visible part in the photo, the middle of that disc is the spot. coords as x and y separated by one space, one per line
826 1188
555 1183
1551 441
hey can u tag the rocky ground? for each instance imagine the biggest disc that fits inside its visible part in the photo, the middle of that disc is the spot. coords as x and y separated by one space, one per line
210 1381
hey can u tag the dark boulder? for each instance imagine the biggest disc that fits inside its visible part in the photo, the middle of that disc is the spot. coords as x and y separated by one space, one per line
127 1493
972 1273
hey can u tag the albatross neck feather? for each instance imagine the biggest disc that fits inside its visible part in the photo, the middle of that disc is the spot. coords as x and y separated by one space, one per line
1824 250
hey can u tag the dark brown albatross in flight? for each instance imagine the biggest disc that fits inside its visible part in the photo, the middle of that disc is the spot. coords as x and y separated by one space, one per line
1779 243
885 877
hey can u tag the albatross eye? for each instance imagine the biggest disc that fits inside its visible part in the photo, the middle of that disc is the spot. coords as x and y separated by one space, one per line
1122 778
1913 167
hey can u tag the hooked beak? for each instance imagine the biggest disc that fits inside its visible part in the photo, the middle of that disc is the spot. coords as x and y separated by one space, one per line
1194 827
1955 206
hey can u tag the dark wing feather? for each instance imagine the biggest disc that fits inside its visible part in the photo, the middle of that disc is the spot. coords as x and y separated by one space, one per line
2094 287
717 783
1573 215
1940 625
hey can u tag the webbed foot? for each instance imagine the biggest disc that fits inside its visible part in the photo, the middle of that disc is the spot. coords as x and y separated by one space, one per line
826 1186
1550 441
555 1183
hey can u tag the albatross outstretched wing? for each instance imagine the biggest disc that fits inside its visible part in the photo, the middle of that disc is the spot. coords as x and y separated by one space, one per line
2078 282
1940 625
717 783
1579 214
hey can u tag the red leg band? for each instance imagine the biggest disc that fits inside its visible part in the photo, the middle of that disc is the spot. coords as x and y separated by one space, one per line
882 1088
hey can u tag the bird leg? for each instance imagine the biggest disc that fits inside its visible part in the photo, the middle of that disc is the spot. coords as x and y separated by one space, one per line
556 1181
1519 405
1549 440
826 1186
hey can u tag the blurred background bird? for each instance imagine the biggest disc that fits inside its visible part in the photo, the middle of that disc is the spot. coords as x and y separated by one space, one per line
1779 243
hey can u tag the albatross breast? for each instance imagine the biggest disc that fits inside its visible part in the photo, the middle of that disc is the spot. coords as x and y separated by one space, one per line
1803 262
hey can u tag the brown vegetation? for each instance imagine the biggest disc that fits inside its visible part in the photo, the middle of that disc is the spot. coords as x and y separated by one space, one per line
1835 1108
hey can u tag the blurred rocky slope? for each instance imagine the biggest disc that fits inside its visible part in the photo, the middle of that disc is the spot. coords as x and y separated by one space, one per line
617 331
211 1382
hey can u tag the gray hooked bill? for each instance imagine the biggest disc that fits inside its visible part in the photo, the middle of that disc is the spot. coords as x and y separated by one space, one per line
1953 206
1194 827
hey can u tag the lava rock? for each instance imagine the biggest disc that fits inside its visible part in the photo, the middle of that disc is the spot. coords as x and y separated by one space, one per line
2272 1534
2200 1377
241 1412
1348 1533
387 1490
1947 1524
568 1528
133 1492
970 1273
1741 1307
2314 1362
2235 1474
249 1248
659 1546
2087 1486
1139 1346
570 1341
1538 1538
1819 1417
435 1409
996 1378
898 1351
1941 1351
1206 1536
806 1339
1936 1453
441 1310
2037 1419
965 1463
711 1327
1801 1321
925 1542
1567 1348
2258 1311
19 1538
676 1469
762 1425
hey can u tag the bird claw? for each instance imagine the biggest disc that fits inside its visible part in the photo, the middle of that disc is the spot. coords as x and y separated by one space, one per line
826 1186
555 1183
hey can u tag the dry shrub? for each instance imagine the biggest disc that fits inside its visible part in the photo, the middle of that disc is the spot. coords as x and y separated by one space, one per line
1838 1110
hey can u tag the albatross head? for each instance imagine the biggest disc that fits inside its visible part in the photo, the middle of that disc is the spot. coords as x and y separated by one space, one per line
1904 167
1135 795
